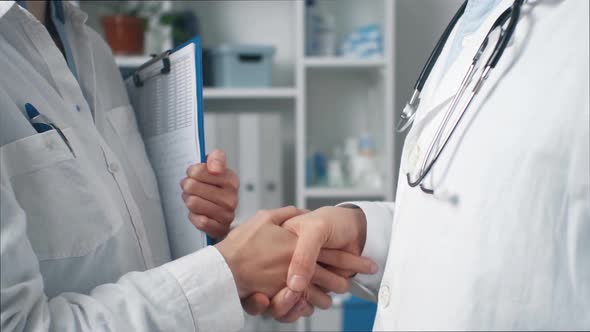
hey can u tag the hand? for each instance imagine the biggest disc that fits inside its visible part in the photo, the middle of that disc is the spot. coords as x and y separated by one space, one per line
258 254
339 225
210 192
328 227
287 306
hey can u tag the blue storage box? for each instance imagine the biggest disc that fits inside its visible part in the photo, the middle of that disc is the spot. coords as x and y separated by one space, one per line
358 315
240 65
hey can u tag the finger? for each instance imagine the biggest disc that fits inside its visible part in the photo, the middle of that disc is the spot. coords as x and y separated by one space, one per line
201 206
216 161
308 311
302 267
278 216
200 173
323 289
343 273
301 309
343 260
256 304
316 297
208 225
214 194
283 302
330 281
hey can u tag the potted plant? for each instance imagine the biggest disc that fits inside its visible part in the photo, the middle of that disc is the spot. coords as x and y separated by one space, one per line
125 23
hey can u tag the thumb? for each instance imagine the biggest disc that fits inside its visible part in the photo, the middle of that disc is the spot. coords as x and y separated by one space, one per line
216 161
307 250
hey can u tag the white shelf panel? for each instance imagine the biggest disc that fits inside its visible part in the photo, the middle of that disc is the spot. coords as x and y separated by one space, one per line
326 192
249 93
131 60
343 63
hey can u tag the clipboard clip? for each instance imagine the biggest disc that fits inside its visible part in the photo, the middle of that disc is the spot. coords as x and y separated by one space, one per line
164 57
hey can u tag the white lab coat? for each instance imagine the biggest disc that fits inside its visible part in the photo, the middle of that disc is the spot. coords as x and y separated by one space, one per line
506 242
75 225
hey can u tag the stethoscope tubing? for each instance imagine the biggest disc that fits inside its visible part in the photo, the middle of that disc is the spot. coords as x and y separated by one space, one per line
511 13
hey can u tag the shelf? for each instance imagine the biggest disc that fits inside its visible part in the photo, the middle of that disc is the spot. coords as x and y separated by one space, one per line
131 60
249 93
326 192
343 63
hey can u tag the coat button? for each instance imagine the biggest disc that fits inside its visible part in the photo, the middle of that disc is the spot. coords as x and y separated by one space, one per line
384 296
113 168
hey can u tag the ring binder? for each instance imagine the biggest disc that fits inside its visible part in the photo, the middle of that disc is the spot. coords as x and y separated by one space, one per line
165 57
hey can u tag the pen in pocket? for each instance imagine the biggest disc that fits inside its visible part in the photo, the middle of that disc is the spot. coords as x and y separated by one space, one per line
42 123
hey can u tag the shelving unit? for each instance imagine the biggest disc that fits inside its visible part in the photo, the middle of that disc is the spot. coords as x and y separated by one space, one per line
249 93
356 95
343 63
316 93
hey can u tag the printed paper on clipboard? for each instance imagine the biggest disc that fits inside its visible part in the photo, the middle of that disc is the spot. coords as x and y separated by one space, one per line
166 94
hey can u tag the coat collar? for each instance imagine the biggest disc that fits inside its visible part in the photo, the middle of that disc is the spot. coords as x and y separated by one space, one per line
74 13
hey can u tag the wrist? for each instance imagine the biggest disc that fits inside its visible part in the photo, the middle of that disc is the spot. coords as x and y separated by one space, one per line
355 216
229 255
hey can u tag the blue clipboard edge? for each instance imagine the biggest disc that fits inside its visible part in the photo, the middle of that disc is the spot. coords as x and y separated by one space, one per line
200 111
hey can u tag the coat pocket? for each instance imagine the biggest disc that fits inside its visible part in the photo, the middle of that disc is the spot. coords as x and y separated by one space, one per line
67 215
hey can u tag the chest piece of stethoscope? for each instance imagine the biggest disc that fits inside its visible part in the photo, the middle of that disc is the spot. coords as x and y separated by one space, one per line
409 112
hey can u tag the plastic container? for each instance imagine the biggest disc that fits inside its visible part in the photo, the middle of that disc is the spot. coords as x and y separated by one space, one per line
240 66
320 30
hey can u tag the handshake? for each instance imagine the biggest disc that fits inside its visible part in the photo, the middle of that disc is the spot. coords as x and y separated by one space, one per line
284 261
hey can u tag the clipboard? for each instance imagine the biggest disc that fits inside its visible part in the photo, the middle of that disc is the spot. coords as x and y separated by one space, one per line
167 95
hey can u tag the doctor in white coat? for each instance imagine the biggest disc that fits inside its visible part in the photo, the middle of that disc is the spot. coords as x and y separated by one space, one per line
504 243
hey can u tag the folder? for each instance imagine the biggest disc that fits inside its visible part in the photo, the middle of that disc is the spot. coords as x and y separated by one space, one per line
260 163
272 162
210 132
221 132
166 93
227 137
249 168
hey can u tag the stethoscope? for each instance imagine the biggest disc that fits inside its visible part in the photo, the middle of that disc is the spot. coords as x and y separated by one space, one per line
409 113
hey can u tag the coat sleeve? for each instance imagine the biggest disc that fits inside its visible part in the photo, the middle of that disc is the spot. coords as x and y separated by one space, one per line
179 296
379 216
